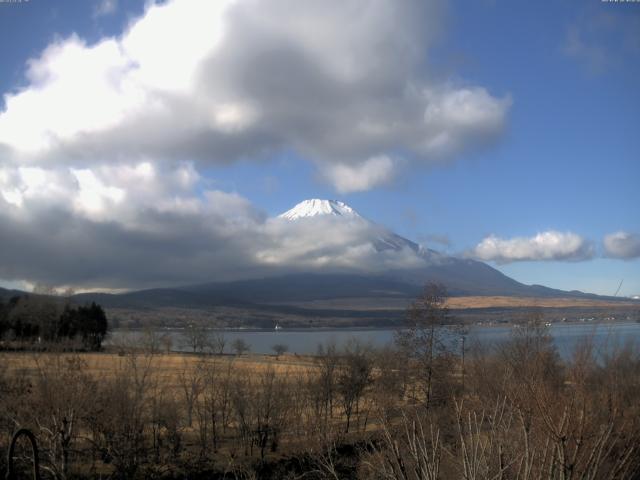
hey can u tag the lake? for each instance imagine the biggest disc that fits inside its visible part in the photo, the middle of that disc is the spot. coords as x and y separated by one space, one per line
306 341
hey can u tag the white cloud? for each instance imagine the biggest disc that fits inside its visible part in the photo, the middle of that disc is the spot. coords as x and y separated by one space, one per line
603 40
329 243
340 82
623 245
103 193
550 245
594 55
105 7
469 113
371 173
100 151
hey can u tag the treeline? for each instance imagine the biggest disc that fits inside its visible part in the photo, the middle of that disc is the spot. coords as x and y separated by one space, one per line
41 320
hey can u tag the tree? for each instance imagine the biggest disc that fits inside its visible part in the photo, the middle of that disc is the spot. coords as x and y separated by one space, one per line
271 405
323 385
280 349
191 380
354 375
531 354
62 393
240 346
119 419
167 342
151 341
4 322
38 318
424 339
34 317
194 337
89 322
216 343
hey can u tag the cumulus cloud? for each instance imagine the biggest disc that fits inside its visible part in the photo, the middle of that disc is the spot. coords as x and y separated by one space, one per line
364 176
340 82
550 245
101 150
623 245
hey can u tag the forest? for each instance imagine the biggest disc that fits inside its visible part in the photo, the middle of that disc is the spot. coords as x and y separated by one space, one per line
41 321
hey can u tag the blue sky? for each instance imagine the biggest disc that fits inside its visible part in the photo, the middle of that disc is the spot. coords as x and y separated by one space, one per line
565 156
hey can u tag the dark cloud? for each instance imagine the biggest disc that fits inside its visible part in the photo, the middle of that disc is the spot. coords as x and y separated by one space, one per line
54 246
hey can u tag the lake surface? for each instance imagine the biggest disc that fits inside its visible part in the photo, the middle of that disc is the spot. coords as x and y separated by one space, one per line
306 341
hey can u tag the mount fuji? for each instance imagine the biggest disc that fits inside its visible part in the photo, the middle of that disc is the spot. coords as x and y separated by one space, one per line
352 296
317 208
461 276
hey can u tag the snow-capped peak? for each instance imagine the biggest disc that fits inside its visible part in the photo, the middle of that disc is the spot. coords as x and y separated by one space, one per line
316 206
381 238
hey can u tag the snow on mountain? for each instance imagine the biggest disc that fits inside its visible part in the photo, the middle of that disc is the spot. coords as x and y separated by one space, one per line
316 206
382 239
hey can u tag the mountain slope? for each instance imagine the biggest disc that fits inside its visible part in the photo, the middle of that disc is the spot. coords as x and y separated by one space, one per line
315 208
462 277
6 294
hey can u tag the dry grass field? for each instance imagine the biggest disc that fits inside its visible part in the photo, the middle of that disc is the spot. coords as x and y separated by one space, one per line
165 398
353 413
372 304
169 367
498 301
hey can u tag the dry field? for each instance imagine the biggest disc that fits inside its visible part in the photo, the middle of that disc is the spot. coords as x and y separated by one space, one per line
255 416
488 302
372 304
168 366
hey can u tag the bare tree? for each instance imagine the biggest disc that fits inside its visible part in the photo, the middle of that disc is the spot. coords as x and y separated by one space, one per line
165 424
120 414
191 380
323 385
391 380
167 342
216 398
240 346
411 451
194 337
424 339
61 396
217 342
151 341
354 375
271 408
279 349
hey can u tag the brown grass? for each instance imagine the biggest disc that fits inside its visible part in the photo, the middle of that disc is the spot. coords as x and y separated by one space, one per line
372 304
168 366
497 301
